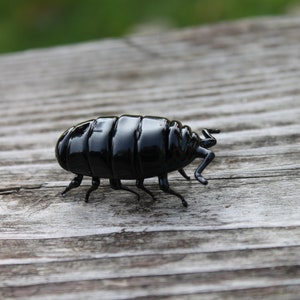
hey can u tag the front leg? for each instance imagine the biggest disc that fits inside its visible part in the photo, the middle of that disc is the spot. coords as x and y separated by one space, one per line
208 157
209 140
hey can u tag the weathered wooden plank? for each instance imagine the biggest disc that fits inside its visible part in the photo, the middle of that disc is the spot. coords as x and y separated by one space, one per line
168 285
130 243
240 236
149 265
226 203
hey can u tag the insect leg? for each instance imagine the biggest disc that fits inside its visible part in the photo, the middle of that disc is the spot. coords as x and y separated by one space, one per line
208 157
209 140
117 185
95 185
164 185
140 185
73 184
182 172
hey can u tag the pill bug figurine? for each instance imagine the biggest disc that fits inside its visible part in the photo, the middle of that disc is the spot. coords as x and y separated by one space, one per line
132 147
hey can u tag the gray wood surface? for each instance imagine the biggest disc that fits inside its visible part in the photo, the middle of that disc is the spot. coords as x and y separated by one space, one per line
240 236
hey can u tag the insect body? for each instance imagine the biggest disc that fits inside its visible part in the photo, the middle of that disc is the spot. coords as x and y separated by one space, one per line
132 147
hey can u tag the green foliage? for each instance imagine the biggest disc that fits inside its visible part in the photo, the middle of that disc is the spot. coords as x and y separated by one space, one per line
41 23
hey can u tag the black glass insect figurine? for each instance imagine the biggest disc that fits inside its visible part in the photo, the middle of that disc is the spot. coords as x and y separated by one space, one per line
132 147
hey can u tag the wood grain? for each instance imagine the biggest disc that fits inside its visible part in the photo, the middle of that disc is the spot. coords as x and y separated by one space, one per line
240 236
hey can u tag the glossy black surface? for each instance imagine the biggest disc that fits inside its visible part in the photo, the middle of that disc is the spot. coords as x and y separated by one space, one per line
132 147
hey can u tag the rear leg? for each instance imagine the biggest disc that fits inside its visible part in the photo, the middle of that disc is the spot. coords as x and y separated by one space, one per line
95 185
140 185
164 185
73 184
117 185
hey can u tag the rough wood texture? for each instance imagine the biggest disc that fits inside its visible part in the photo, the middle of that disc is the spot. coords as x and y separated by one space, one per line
239 237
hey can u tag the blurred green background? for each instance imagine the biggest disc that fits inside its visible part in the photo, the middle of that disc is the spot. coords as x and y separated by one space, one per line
26 24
